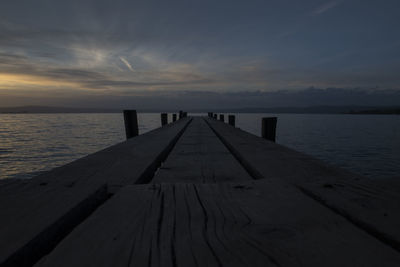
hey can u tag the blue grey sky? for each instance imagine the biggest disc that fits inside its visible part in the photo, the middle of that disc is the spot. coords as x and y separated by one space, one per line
56 52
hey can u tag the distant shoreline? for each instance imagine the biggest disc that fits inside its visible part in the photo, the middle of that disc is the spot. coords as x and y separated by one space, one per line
355 110
316 113
376 112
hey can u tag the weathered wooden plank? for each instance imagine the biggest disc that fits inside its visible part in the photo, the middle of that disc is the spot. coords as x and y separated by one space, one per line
372 205
254 223
35 214
10 181
199 156
129 162
33 220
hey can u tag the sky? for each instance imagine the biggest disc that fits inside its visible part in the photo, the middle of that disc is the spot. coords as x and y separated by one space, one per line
96 53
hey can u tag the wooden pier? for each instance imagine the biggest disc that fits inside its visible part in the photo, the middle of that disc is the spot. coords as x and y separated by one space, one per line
199 192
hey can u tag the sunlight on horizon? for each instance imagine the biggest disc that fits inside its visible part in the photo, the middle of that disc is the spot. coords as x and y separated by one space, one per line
13 81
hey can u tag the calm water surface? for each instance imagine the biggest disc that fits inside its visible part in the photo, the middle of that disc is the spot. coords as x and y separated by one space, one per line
365 144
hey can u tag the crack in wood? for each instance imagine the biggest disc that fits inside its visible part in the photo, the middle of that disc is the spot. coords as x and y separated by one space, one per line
385 239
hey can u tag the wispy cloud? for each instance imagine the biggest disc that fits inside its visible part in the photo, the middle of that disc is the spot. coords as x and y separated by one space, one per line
102 53
127 64
325 7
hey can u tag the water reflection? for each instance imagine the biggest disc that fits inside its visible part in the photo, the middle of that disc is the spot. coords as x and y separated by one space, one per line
33 143
365 144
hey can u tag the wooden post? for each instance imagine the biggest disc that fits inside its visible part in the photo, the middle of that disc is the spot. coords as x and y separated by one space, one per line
184 114
164 119
131 123
180 114
221 117
174 117
231 120
268 130
215 116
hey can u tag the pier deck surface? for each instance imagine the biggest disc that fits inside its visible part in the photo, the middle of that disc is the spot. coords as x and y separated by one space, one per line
200 157
220 197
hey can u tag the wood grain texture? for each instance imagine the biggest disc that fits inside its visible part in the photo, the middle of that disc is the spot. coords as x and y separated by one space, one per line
256 223
35 214
34 219
200 157
372 205
129 162
10 181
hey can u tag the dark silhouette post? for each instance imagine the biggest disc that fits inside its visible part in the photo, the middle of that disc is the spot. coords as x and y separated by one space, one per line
231 120
268 130
131 123
180 114
184 114
173 117
164 119
221 117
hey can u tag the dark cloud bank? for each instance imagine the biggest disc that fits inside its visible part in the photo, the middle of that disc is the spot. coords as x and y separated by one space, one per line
325 99
239 100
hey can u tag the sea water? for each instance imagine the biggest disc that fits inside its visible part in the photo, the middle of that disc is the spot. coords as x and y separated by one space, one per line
365 144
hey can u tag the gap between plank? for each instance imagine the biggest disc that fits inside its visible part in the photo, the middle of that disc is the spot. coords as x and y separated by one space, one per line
151 171
46 241
386 240
49 238
242 161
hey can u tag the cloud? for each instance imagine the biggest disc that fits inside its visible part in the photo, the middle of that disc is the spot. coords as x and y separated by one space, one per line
126 64
20 71
17 71
325 7
116 48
